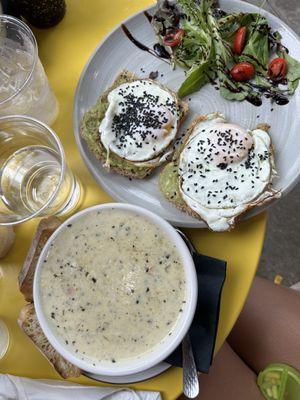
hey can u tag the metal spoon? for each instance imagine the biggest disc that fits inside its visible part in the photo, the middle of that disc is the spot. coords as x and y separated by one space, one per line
190 374
187 241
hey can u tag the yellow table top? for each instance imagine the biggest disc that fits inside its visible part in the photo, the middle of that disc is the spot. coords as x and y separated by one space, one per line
64 50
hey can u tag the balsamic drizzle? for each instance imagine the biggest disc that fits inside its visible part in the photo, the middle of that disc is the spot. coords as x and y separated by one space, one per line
156 52
161 51
277 97
133 40
148 16
255 101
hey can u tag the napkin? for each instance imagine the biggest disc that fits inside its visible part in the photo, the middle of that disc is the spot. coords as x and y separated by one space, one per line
211 274
16 388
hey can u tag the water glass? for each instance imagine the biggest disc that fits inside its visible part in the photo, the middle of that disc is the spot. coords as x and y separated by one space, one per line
34 178
24 87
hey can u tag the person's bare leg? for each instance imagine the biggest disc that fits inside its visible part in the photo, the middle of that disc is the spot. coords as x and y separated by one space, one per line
268 329
228 379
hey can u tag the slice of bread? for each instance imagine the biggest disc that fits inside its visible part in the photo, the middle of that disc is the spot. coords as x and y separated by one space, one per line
29 323
44 230
89 131
169 179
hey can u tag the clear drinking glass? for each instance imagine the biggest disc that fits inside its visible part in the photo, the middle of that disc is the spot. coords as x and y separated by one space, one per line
24 87
34 177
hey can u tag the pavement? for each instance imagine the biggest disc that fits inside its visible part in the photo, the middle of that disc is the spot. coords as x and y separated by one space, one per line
281 252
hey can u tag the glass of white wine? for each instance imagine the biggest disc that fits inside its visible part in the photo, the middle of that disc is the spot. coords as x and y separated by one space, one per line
24 87
34 178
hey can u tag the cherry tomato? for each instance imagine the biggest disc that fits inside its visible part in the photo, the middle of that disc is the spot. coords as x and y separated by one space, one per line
173 39
242 72
278 69
239 40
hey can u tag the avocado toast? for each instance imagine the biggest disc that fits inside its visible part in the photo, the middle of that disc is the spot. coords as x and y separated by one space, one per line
112 161
220 171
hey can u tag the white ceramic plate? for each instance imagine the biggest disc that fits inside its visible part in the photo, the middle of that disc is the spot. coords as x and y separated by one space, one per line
141 376
116 52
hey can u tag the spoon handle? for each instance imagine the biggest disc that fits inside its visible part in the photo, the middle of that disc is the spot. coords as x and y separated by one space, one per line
190 374
187 241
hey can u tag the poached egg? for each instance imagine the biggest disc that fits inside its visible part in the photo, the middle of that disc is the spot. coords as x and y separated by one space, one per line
141 121
224 170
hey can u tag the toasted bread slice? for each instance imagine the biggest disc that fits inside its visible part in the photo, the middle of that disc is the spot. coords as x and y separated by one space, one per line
89 131
44 230
169 179
29 323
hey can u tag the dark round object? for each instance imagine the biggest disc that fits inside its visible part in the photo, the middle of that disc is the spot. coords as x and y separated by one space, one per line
42 13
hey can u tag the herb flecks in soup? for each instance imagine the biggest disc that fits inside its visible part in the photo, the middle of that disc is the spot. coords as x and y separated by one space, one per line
112 285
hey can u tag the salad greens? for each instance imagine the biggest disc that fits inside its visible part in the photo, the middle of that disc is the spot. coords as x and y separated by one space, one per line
256 50
293 73
205 50
200 71
223 62
198 77
195 45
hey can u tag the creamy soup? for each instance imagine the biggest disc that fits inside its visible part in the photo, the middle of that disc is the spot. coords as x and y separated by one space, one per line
112 286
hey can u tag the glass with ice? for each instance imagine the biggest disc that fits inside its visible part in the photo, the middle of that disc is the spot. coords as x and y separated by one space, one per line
24 87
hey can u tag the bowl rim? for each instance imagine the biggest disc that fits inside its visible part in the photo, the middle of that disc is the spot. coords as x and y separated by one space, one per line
162 350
